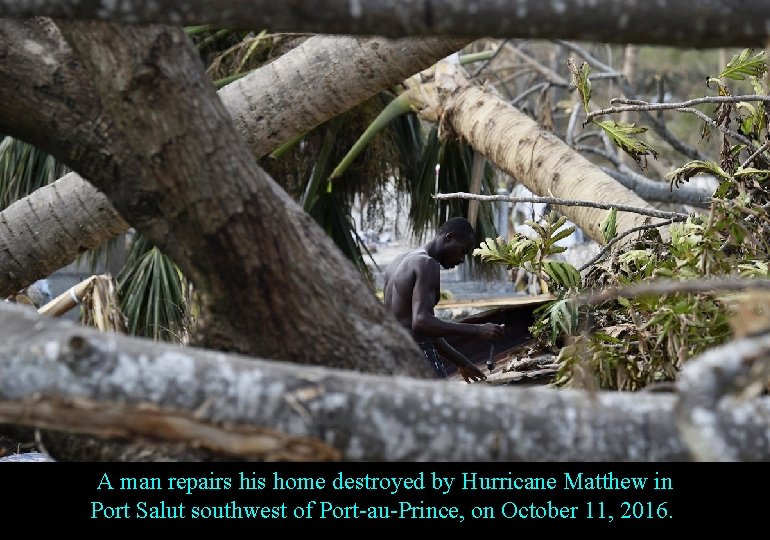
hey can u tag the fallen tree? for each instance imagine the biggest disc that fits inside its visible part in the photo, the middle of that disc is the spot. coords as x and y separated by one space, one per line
265 108
684 23
55 375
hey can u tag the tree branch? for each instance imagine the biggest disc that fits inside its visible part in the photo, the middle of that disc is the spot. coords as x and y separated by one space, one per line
55 374
618 238
666 286
687 23
646 188
657 126
639 105
724 377
755 155
674 216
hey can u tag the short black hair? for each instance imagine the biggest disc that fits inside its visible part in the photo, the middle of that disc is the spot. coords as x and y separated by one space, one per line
459 226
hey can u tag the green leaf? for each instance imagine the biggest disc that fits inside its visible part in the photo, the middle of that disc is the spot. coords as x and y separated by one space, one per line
621 135
400 105
581 81
751 171
563 317
608 225
688 170
562 274
744 65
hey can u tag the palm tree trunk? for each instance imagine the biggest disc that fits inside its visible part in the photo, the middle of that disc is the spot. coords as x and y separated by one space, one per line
320 79
46 230
535 157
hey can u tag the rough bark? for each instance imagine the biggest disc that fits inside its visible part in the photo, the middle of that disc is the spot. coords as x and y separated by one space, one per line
271 281
252 102
57 375
46 230
682 23
540 160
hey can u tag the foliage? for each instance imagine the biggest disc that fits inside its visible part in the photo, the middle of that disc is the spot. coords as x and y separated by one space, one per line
745 64
620 133
608 226
535 254
158 301
23 169
630 343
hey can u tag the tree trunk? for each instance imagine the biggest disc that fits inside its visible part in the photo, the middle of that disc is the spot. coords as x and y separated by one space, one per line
320 79
59 376
516 144
245 102
682 23
44 231
271 281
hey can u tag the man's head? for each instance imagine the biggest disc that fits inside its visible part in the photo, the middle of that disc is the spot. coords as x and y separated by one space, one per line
454 239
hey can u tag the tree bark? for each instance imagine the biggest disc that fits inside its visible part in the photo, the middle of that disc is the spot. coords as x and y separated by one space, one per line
44 231
251 101
271 281
320 79
681 23
518 145
56 375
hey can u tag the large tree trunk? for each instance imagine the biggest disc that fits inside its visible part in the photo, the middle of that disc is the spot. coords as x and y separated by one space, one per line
518 145
272 282
684 23
56 375
46 230
251 101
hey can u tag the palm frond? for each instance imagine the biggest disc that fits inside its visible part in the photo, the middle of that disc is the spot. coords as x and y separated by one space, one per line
24 169
153 293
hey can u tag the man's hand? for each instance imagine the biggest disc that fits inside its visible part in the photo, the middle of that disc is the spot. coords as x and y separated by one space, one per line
471 373
491 331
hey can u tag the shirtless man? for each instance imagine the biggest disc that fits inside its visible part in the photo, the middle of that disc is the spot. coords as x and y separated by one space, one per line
412 290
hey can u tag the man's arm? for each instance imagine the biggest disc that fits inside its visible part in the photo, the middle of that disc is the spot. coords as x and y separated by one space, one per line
424 321
466 368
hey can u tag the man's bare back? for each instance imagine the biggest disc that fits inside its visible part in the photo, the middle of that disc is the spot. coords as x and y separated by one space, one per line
400 279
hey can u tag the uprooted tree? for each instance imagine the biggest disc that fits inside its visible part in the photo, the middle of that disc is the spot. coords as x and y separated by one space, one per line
130 109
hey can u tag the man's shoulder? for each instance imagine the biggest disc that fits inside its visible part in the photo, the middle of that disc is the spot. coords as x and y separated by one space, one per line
416 258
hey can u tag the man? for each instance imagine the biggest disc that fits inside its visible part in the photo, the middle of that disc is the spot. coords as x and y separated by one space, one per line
412 290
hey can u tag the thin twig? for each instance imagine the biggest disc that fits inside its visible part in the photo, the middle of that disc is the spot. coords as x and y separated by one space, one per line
588 57
657 126
571 125
615 240
639 105
724 129
727 131
675 216
753 217
753 156
528 91
488 60
667 286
